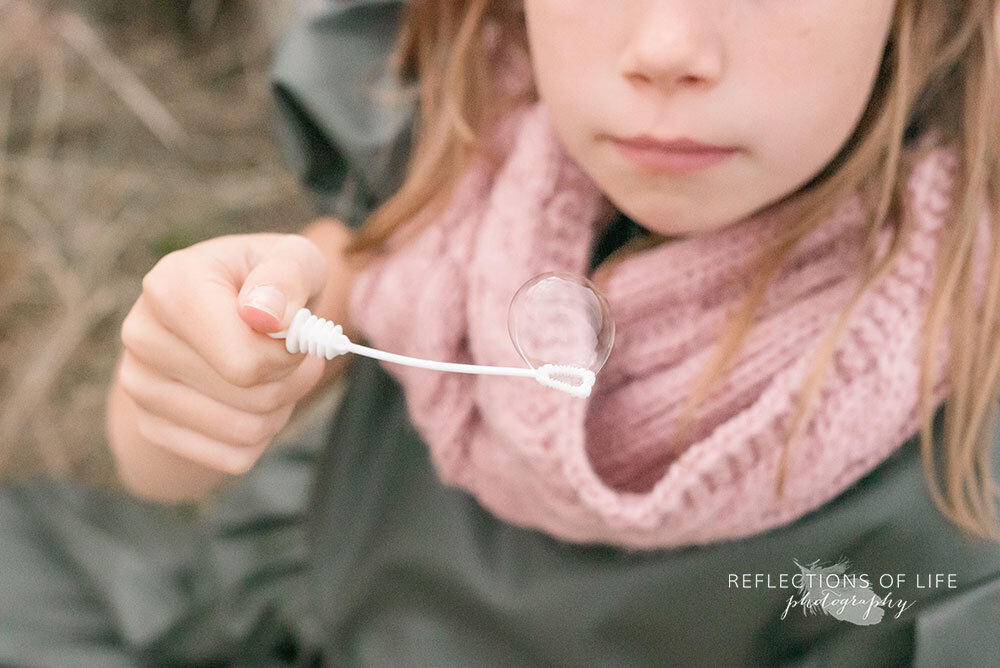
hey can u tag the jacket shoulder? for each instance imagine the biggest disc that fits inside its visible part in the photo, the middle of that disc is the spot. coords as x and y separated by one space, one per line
347 145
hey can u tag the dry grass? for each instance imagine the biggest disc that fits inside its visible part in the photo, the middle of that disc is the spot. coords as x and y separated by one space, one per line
127 130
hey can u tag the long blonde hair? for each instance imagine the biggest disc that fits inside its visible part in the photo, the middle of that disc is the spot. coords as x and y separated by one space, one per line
940 69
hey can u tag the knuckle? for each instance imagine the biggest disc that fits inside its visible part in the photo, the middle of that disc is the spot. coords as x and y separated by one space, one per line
271 397
304 245
306 254
281 417
129 377
152 282
161 281
249 429
239 462
131 333
240 371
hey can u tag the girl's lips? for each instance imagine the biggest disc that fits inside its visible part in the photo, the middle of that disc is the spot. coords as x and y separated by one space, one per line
674 155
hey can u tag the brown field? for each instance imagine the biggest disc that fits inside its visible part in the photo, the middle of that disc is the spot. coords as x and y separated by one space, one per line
127 130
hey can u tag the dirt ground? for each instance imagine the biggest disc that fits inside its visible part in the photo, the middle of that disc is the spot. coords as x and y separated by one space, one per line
127 130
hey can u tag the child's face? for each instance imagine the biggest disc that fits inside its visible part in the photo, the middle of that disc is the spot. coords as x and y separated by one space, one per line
785 82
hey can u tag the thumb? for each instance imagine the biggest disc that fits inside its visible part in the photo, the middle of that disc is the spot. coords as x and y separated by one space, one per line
284 278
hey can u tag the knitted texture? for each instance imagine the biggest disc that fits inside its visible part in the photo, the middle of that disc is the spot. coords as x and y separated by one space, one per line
606 468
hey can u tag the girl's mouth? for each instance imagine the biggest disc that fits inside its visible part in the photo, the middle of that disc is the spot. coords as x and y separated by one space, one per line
672 155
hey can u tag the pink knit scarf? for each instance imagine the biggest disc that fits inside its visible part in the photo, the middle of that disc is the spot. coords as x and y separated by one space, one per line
606 468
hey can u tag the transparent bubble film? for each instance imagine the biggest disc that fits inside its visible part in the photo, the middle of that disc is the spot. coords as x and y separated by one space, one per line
561 318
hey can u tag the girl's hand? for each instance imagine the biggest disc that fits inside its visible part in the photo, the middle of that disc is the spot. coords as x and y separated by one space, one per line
208 384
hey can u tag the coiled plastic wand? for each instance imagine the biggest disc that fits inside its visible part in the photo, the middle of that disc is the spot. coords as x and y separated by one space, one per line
319 336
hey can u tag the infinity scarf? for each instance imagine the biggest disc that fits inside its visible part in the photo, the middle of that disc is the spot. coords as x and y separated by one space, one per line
606 469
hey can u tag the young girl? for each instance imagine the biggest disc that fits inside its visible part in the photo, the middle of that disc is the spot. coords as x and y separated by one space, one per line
788 207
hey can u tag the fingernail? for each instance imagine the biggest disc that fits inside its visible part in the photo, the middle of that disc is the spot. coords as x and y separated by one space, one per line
267 299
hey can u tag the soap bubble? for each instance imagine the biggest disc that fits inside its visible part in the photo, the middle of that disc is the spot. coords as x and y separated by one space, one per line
561 318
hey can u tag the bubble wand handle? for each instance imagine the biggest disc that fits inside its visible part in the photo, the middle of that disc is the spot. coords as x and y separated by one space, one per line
319 336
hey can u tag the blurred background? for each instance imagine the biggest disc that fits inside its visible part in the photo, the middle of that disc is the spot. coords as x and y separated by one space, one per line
127 130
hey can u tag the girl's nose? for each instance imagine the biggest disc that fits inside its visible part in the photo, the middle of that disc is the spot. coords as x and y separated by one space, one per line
674 43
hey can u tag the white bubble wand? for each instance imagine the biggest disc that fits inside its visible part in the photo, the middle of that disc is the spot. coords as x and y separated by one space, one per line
319 336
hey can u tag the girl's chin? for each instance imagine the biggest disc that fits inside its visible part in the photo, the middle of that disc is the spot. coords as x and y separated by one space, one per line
677 221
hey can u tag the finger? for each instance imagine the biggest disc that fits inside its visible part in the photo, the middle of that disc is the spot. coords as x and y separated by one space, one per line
161 350
197 447
283 279
201 311
192 410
